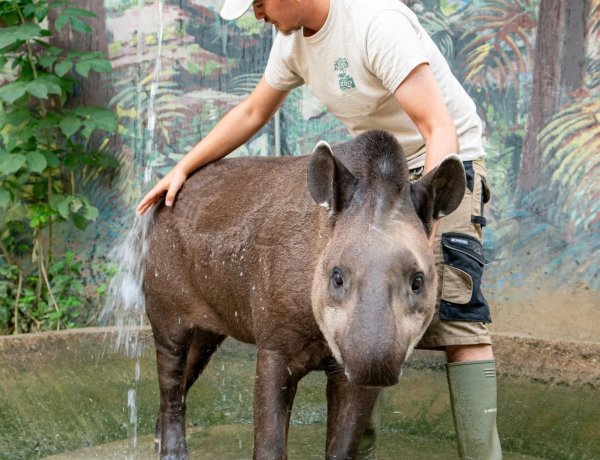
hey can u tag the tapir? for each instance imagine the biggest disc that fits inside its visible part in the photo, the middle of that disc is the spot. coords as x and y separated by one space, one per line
320 260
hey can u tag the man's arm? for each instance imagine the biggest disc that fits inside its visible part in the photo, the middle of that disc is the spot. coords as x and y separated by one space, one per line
422 100
234 129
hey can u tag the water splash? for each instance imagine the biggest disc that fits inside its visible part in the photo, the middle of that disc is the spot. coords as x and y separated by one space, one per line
124 306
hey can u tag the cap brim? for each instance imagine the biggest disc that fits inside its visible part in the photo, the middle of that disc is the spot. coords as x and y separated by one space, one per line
233 9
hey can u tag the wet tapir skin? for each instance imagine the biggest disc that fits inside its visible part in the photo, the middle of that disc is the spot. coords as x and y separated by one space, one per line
322 261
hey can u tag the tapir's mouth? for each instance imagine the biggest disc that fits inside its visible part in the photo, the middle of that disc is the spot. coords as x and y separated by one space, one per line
375 375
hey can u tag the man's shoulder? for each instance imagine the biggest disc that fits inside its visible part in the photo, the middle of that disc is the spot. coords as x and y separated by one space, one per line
368 9
363 14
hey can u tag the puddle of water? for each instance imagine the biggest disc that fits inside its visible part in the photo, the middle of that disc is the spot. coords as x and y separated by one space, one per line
58 395
234 442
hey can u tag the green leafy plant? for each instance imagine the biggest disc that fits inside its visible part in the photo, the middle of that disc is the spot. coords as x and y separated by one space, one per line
47 151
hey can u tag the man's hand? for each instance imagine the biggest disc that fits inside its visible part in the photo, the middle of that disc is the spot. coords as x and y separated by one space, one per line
171 184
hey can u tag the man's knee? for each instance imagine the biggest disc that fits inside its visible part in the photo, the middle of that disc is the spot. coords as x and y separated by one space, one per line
478 352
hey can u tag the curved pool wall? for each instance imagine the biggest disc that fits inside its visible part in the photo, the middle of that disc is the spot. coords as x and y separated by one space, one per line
65 395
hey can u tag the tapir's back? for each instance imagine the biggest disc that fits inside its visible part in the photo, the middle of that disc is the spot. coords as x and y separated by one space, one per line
237 247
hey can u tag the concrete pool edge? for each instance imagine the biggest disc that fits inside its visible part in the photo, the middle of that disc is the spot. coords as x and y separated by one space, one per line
551 361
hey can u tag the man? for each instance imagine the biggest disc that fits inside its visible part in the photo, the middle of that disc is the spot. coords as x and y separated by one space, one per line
373 66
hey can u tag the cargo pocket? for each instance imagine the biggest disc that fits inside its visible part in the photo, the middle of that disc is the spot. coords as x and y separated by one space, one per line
461 298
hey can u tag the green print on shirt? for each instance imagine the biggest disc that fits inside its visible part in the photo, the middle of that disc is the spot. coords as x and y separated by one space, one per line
346 81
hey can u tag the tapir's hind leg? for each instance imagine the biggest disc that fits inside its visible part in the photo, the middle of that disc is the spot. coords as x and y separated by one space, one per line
349 408
179 365
204 344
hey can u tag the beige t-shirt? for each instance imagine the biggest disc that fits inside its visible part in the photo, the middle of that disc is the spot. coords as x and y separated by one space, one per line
355 63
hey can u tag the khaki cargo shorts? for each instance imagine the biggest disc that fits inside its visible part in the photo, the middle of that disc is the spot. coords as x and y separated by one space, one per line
462 312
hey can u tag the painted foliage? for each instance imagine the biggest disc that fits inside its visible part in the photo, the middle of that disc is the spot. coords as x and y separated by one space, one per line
545 212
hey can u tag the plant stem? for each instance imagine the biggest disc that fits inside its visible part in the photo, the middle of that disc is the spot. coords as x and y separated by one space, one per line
16 312
50 219
27 43
38 254
45 275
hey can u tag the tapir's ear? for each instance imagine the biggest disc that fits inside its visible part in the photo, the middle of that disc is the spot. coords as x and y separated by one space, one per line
330 183
439 192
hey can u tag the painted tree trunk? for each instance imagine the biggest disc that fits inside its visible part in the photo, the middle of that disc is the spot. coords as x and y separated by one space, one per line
559 69
93 91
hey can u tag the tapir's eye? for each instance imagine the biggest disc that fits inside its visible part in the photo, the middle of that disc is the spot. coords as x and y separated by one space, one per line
418 283
337 278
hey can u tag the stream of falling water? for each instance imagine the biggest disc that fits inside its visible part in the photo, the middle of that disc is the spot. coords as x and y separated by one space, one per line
124 306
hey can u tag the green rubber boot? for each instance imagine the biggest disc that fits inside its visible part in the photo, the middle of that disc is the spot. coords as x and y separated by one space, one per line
473 396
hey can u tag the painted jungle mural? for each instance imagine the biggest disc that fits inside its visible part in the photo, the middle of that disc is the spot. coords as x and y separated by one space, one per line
532 66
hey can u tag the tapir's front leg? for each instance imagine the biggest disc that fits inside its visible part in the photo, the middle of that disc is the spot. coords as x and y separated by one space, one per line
274 392
349 408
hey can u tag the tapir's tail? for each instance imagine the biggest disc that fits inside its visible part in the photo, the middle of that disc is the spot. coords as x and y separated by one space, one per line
124 305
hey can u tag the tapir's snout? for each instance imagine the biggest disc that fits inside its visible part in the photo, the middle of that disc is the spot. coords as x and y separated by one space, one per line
380 371
373 356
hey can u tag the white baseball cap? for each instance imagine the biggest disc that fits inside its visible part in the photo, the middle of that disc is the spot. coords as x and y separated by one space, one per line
233 9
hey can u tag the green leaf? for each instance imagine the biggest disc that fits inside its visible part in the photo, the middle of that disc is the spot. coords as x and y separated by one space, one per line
11 35
72 161
63 207
13 91
36 162
79 221
47 61
104 118
61 21
37 89
83 68
52 83
70 125
11 163
4 198
74 12
16 117
91 212
88 128
51 159
54 51
62 68
29 9
108 161
101 65
80 26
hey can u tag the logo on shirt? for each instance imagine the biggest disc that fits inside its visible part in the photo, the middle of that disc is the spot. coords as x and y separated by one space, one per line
346 81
